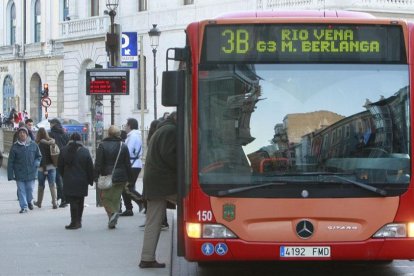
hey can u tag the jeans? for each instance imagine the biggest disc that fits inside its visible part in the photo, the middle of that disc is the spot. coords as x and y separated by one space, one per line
59 186
25 192
51 178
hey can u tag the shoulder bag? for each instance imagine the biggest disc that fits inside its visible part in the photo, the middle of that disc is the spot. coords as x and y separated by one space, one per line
105 181
54 154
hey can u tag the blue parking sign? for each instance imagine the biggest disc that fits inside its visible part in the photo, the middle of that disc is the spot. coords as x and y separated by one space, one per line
129 50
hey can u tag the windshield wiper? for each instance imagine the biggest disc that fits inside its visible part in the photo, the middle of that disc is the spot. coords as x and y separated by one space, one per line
379 191
362 185
242 189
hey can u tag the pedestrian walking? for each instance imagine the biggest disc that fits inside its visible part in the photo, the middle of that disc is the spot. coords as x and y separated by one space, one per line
153 127
16 133
61 139
46 169
24 159
29 124
14 118
106 157
134 144
160 186
76 167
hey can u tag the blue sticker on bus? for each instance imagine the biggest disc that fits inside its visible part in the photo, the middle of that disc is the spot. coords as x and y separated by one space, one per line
221 249
207 249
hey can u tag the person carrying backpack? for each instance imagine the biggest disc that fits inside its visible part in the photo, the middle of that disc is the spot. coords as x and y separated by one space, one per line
61 139
47 170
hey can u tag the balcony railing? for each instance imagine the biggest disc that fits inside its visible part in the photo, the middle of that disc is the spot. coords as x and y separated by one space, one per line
393 5
97 25
31 50
7 52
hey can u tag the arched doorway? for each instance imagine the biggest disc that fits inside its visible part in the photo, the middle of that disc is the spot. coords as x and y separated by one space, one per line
36 112
9 101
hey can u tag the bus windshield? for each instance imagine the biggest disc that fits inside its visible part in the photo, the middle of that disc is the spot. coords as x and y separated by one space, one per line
303 130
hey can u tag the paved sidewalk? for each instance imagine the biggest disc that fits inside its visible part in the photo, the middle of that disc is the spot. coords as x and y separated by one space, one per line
37 243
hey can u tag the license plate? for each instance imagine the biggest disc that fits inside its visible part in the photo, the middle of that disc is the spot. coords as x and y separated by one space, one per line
305 251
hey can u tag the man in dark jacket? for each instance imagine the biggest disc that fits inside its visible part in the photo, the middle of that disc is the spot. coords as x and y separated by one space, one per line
24 159
29 126
61 139
160 186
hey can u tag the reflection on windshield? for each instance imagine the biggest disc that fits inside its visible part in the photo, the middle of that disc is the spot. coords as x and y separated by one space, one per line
266 119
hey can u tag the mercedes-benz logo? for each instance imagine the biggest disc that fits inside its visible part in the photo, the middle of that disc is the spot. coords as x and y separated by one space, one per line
304 229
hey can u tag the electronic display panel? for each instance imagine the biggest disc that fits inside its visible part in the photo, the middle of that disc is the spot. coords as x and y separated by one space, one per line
298 43
107 82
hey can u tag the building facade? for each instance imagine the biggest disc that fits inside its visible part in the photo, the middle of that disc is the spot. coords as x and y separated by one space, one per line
56 41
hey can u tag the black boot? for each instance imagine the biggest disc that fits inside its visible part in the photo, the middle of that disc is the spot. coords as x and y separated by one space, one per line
81 204
127 213
130 193
63 203
74 223
140 202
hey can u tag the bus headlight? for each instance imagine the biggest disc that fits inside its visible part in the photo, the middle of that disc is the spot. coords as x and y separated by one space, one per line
396 230
209 231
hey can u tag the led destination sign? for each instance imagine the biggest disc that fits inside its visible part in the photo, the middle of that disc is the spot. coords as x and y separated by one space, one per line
107 82
304 43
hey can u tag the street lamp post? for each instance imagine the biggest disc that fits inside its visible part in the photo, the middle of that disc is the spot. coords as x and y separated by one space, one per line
112 5
154 35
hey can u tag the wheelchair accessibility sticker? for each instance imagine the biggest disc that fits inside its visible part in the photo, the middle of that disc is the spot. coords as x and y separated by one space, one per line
221 249
207 249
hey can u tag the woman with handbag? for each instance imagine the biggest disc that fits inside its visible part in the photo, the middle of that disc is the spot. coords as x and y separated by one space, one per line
112 163
47 169
76 168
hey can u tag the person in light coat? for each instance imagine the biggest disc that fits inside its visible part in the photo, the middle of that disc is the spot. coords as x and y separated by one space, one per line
134 144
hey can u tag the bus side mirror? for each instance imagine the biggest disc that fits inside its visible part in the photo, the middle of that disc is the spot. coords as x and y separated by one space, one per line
173 83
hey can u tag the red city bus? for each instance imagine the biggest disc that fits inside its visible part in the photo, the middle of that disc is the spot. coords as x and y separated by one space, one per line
294 137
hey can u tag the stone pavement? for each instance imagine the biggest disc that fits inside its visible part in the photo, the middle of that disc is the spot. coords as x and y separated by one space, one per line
37 243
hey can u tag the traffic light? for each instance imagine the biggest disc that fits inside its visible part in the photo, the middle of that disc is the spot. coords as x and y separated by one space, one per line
45 92
113 45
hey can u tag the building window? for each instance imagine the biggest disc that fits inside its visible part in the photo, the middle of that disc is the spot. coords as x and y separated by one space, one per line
66 10
37 21
13 24
188 2
142 5
8 95
347 131
94 7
